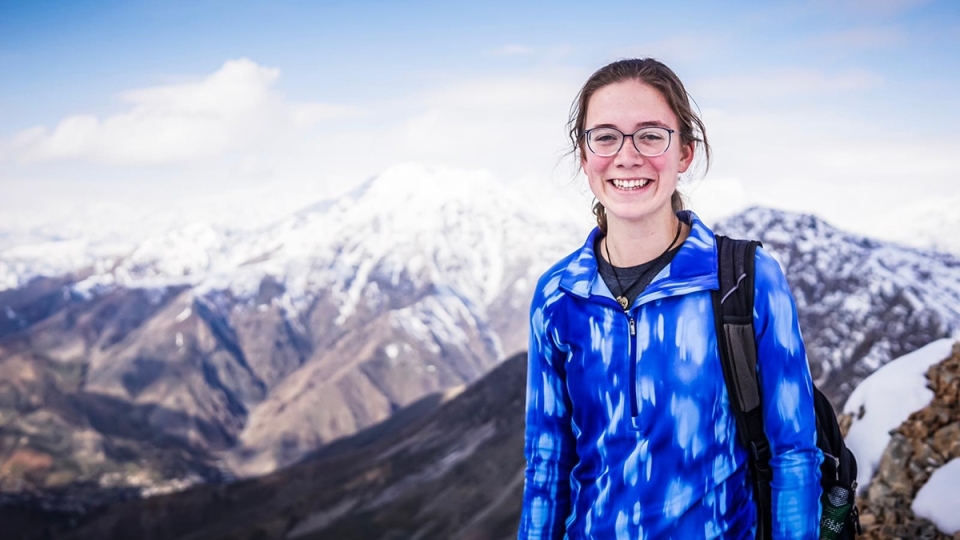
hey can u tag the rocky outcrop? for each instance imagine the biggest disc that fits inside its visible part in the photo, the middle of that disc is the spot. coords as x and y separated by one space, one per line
927 440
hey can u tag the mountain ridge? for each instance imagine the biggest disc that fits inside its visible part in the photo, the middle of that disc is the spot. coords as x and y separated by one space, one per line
861 301
258 347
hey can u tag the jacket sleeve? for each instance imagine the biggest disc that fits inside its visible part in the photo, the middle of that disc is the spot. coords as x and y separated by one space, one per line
549 444
788 413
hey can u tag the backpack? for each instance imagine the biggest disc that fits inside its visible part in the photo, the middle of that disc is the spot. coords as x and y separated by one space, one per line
733 311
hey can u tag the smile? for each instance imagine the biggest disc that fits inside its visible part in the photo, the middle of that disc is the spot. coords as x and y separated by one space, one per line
633 183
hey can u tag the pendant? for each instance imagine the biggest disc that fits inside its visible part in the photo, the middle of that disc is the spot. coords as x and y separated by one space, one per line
623 302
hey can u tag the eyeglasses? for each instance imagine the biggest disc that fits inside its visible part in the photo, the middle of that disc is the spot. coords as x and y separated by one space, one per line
649 141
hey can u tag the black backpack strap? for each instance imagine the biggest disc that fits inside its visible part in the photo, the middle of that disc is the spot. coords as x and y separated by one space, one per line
840 517
733 312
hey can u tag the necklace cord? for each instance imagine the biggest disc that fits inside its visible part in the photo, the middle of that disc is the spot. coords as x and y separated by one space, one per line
621 299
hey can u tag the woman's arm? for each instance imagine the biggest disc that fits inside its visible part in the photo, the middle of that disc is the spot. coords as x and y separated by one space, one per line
788 414
549 444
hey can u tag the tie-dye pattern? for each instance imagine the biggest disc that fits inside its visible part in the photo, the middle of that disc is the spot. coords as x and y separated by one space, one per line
629 434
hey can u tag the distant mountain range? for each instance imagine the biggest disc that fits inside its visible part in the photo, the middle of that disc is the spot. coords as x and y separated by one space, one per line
237 353
207 354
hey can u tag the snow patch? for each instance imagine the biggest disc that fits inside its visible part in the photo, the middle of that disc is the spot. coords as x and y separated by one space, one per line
939 499
884 400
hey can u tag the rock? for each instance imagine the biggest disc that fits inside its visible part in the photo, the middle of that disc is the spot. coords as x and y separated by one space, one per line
845 420
946 441
925 441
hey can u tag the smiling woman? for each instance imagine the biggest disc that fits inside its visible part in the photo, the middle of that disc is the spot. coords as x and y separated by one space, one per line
629 428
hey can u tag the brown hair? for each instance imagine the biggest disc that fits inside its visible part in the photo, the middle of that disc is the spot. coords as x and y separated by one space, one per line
665 81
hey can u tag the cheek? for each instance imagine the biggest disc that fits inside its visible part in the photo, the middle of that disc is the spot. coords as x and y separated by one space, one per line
659 163
595 167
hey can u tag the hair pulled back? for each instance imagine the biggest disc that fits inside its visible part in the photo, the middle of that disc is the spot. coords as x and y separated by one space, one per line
664 80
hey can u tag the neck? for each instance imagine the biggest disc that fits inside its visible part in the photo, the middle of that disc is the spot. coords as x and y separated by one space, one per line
638 244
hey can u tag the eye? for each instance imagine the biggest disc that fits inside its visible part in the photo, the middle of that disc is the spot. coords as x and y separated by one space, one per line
651 136
605 137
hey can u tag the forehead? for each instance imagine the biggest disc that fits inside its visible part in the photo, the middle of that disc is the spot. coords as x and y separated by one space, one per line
627 104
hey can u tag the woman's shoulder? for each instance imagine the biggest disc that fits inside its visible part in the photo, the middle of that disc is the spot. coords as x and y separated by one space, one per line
549 282
767 270
579 264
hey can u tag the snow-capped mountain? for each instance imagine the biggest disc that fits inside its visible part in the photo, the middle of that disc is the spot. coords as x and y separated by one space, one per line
862 302
240 350
256 347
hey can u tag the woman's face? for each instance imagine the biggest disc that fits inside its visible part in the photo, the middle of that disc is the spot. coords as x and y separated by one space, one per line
633 188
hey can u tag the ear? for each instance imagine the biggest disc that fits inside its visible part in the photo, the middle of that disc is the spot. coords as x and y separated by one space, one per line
687 152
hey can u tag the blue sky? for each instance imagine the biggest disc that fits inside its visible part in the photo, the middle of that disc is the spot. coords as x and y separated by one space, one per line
845 109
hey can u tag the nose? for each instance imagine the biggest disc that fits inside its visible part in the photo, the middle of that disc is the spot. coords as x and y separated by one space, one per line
628 154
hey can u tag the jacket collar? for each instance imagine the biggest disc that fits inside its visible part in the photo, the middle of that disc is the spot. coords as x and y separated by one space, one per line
693 268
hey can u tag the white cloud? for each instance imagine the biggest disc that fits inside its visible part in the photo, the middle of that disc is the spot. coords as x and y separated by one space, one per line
786 83
235 130
679 49
512 125
849 170
513 50
863 38
716 198
808 142
234 108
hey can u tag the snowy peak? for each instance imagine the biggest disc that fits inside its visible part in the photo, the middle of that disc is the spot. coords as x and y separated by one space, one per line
424 186
428 224
322 322
862 302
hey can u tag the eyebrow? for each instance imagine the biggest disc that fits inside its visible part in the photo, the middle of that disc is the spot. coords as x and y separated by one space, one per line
641 125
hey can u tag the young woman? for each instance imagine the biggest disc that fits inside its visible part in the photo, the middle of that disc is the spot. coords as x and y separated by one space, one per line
629 430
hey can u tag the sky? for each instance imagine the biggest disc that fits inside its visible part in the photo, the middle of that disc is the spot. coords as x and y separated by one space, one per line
114 112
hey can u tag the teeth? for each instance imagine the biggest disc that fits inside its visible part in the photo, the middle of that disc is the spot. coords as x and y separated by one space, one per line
630 184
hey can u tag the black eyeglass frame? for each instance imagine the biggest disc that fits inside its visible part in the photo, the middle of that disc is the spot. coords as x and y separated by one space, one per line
623 137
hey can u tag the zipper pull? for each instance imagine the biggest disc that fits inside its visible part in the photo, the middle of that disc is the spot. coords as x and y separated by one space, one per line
836 464
633 327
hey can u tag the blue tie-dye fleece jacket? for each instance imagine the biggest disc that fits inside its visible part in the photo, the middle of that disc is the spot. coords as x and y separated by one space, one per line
629 430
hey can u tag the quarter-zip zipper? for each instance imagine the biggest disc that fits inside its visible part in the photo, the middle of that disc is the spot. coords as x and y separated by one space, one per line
632 324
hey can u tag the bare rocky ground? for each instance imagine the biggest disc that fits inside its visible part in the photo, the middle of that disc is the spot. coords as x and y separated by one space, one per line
927 440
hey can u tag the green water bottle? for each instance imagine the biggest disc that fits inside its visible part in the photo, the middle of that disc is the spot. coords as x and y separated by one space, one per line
836 505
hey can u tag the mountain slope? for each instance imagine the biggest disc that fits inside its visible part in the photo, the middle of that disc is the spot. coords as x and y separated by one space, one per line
246 350
253 348
446 468
861 302
452 467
